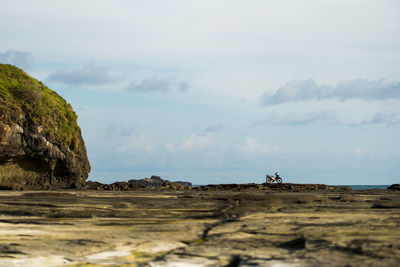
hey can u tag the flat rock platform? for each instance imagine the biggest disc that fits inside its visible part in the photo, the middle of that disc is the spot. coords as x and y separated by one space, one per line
335 227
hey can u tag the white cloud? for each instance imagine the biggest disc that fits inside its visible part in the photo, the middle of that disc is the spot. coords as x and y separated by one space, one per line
252 148
294 119
196 141
90 74
214 128
118 130
192 142
136 144
273 42
387 118
21 59
356 151
304 90
156 84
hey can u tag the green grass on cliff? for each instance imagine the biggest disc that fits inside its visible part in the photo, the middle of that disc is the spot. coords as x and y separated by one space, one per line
42 106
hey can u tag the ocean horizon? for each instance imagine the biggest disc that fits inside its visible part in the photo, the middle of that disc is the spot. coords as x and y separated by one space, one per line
364 187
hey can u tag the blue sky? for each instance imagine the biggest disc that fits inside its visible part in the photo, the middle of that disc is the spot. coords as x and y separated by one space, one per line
221 91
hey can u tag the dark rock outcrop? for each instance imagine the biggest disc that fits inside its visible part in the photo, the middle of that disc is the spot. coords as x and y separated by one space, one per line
158 184
394 187
306 187
41 146
152 182
117 186
156 181
271 186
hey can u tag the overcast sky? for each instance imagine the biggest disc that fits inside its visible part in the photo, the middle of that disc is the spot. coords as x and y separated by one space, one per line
221 91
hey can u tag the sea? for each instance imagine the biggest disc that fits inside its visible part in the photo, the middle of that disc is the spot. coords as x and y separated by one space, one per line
364 187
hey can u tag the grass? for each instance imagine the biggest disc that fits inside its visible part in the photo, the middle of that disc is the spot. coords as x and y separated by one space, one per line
42 106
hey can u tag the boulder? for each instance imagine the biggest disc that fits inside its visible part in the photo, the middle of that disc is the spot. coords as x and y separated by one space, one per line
41 146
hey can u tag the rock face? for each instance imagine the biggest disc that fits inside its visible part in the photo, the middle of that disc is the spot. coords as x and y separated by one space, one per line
41 146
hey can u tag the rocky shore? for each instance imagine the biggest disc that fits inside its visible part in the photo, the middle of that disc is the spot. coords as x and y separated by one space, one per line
214 225
159 184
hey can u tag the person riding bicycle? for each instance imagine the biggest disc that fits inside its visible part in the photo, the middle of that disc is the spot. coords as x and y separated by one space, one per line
277 176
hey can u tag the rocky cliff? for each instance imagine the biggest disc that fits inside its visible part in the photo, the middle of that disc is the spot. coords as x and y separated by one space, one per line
41 146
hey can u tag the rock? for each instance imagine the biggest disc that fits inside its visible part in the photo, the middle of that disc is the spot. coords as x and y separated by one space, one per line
306 187
156 181
270 186
186 184
386 205
394 187
298 243
41 146
152 182
91 185
171 186
117 186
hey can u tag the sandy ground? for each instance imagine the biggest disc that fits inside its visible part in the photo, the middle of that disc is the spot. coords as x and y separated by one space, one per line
186 228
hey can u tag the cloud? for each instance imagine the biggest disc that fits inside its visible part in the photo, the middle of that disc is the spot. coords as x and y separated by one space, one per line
183 86
293 119
252 148
214 128
304 90
356 151
156 84
192 142
388 118
89 74
118 130
17 58
196 141
367 89
136 144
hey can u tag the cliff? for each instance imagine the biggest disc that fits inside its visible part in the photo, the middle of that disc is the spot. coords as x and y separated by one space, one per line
41 146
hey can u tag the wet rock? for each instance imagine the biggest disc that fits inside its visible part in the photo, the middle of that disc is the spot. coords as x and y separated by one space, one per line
41 146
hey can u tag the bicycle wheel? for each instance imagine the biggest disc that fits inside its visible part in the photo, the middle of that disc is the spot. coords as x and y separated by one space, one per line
279 180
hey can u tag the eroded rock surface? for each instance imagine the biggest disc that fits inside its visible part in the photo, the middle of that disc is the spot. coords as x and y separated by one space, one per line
41 146
191 228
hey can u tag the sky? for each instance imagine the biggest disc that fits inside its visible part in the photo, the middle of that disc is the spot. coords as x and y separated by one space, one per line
221 91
